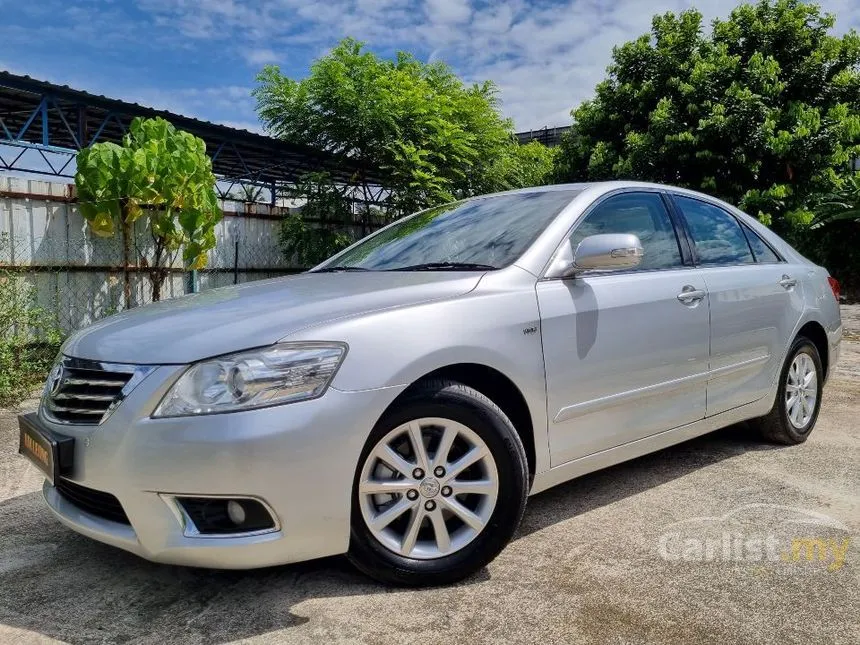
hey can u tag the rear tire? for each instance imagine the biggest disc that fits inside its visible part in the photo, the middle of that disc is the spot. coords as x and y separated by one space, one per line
798 397
450 521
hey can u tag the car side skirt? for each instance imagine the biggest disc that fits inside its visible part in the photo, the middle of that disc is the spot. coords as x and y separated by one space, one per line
640 447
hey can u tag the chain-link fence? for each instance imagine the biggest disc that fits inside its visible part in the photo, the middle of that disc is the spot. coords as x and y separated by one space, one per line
77 278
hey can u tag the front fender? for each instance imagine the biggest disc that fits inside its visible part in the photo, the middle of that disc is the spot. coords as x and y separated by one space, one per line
497 325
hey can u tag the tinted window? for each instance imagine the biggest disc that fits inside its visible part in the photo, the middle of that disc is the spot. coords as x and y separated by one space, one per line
762 251
642 214
489 230
717 235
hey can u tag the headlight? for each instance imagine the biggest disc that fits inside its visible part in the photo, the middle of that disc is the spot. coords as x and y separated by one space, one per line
253 379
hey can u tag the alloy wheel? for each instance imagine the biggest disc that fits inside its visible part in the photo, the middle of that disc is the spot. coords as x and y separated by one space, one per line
801 390
428 488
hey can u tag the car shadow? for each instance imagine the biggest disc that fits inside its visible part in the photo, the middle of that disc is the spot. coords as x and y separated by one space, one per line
62 585
59 584
603 487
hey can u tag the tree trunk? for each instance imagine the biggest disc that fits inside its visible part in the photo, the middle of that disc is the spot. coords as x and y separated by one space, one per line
157 279
157 273
126 255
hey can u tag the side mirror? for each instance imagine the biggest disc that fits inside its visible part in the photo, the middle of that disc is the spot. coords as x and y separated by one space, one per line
606 252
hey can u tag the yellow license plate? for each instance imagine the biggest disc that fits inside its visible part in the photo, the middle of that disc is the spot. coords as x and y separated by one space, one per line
51 453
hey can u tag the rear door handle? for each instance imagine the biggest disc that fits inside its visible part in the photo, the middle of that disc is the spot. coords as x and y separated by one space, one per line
689 294
787 281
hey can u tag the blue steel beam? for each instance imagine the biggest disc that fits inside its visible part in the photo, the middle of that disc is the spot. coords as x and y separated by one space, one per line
110 115
30 120
68 127
39 121
46 133
5 129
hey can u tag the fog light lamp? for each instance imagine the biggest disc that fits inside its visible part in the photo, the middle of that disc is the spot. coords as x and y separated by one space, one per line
235 512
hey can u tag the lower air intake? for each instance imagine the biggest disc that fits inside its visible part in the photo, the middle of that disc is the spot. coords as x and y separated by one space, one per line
94 502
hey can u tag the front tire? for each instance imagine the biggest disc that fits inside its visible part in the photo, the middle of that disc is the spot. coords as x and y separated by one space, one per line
440 488
798 398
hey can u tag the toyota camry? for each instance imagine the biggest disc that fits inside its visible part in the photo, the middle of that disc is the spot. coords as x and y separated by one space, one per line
401 401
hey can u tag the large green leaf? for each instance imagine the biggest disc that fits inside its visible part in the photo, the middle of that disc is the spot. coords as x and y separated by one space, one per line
827 217
155 173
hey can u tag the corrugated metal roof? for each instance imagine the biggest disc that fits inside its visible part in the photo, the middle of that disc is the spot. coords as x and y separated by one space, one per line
238 153
547 136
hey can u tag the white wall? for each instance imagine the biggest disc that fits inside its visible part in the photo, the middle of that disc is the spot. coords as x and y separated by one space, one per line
42 232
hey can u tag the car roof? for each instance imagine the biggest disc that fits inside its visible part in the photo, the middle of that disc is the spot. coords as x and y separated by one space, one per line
605 185
598 188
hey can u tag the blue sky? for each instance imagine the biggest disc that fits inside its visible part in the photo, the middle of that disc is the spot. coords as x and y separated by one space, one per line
199 57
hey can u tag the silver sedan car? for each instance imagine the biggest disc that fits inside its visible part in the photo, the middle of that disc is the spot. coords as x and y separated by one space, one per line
401 401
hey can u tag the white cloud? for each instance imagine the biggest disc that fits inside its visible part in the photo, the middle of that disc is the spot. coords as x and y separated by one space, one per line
448 11
262 56
230 100
545 55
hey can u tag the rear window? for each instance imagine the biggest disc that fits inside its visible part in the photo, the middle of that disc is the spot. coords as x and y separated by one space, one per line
763 253
717 235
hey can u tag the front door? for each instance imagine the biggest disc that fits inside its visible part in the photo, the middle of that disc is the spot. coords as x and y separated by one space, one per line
626 353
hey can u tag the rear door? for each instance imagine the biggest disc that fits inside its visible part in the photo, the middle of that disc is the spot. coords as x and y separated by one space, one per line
756 299
626 353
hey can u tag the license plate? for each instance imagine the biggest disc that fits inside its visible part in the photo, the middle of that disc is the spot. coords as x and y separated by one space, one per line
50 452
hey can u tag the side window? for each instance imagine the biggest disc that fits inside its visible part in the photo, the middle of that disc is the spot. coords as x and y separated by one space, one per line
642 214
763 253
717 235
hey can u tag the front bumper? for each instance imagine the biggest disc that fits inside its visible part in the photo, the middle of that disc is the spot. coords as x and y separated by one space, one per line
299 459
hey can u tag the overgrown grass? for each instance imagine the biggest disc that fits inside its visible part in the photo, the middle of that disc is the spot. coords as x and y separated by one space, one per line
29 337
23 368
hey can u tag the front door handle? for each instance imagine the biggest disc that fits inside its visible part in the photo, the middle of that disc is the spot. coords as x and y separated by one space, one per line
787 282
689 294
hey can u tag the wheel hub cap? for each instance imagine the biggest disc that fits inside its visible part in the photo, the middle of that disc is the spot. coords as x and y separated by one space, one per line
430 487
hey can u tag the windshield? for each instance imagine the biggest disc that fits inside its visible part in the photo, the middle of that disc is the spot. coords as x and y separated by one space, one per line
478 234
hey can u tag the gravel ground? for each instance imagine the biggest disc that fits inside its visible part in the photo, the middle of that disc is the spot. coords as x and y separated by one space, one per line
586 566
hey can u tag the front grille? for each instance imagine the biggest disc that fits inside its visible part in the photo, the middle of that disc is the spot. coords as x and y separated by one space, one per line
83 392
94 502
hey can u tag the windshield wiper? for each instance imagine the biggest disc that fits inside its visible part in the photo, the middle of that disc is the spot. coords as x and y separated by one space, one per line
447 266
335 269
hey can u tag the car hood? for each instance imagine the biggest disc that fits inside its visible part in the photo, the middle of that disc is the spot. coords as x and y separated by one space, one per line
229 319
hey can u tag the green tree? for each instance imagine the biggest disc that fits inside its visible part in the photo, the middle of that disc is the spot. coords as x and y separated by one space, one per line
842 204
521 165
834 240
763 111
322 227
436 138
161 174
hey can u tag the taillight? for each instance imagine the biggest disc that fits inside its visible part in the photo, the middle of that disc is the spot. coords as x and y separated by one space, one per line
834 286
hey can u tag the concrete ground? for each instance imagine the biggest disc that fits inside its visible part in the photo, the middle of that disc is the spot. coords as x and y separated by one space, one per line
613 557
